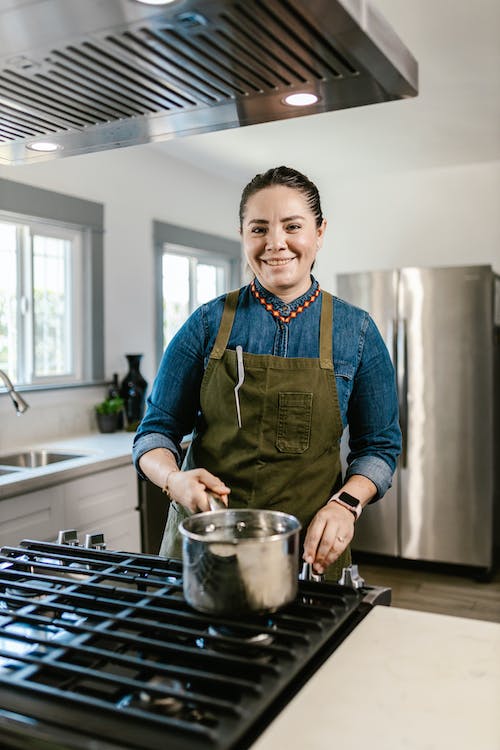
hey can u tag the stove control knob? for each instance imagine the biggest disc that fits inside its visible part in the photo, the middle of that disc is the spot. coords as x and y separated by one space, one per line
308 574
95 541
350 577
69 537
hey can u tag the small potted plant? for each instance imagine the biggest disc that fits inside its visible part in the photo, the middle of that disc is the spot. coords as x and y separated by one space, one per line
108 414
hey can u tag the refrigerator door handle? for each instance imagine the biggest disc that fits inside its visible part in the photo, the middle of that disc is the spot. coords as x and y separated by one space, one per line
402 382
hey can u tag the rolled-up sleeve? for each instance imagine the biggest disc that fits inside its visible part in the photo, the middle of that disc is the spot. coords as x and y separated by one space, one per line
374 432
173 404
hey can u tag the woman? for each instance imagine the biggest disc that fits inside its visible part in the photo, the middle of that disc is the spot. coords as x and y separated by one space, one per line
311 365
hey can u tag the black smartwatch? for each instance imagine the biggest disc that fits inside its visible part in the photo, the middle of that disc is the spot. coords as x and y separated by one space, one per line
349 502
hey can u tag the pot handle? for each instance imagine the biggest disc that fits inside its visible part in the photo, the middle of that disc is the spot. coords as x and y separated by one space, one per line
215 502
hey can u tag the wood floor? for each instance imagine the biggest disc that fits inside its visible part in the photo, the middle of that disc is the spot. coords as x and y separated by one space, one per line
433 590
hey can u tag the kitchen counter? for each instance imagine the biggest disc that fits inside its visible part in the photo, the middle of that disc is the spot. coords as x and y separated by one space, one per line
102 451
402 679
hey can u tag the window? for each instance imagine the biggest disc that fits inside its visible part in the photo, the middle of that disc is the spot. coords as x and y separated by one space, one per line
50 296
40 302
193 267
189 278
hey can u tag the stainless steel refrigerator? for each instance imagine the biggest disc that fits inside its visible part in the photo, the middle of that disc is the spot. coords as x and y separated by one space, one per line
441 328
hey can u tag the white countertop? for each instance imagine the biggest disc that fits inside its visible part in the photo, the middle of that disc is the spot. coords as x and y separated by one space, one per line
402 680
100 451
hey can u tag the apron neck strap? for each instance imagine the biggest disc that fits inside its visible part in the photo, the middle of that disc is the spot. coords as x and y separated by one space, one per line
326 332
226 324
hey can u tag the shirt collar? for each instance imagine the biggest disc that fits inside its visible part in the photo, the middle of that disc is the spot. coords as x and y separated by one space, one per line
278 303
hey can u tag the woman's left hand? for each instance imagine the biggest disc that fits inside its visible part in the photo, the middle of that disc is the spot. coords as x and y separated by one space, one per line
328 535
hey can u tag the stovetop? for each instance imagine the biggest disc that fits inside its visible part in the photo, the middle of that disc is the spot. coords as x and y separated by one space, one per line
100 651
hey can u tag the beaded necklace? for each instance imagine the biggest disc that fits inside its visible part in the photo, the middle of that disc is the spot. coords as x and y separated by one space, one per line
276 313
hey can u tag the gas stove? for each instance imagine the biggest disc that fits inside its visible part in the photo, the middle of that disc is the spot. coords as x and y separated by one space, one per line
100 651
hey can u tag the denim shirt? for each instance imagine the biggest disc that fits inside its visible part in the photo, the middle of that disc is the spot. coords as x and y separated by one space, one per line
363 372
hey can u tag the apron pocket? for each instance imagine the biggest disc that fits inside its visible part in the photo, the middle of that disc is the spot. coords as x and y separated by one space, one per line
294 422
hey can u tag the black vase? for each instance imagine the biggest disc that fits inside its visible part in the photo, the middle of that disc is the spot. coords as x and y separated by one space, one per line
133 392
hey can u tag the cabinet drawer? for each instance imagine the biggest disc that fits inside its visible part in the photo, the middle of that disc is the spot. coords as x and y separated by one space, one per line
121 533
36 515
105 502
94 499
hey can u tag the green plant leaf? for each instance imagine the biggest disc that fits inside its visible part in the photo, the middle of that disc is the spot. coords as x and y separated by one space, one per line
110 406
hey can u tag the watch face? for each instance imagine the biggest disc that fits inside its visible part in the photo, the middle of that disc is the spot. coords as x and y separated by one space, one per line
349 499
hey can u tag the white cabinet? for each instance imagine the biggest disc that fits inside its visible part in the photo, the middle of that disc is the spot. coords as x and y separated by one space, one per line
36 515
105 501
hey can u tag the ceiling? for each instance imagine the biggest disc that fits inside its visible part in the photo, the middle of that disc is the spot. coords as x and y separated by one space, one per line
454 120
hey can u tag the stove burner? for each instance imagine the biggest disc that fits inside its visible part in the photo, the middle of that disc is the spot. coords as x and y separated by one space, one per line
145 699
23 596
27 638
168 705
243 636
240 642
162 695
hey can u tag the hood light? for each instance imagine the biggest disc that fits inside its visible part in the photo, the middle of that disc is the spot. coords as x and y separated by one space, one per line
155 2
44 146
301 100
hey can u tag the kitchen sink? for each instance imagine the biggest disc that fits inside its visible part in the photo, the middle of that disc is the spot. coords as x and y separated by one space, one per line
7 471
33 459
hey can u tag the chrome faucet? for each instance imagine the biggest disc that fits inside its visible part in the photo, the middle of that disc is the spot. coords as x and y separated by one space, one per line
17 400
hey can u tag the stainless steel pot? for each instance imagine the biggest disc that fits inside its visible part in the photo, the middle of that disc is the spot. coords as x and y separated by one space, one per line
240 561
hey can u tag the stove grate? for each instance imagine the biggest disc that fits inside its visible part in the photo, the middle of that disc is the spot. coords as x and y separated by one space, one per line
105 641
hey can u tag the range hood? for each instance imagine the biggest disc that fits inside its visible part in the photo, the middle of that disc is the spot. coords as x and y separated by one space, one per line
92 75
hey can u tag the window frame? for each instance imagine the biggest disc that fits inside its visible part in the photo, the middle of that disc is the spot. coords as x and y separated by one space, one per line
189 242
39 208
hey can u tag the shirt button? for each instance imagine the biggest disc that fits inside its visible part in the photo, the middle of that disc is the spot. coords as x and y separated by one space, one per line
285 309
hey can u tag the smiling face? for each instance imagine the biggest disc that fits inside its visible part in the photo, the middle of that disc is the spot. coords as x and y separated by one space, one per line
281 240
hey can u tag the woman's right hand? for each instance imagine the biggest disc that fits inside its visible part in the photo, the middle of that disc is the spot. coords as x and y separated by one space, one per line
189 488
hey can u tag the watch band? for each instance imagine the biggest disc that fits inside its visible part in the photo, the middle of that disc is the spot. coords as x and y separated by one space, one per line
348 501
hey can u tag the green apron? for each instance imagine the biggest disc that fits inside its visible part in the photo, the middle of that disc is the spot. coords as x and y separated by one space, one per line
286 455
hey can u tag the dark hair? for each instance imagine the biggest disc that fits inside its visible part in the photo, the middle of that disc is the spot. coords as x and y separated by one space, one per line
290 178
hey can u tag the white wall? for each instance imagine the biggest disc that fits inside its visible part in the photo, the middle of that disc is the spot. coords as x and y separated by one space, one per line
435 217
429 217
52 415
